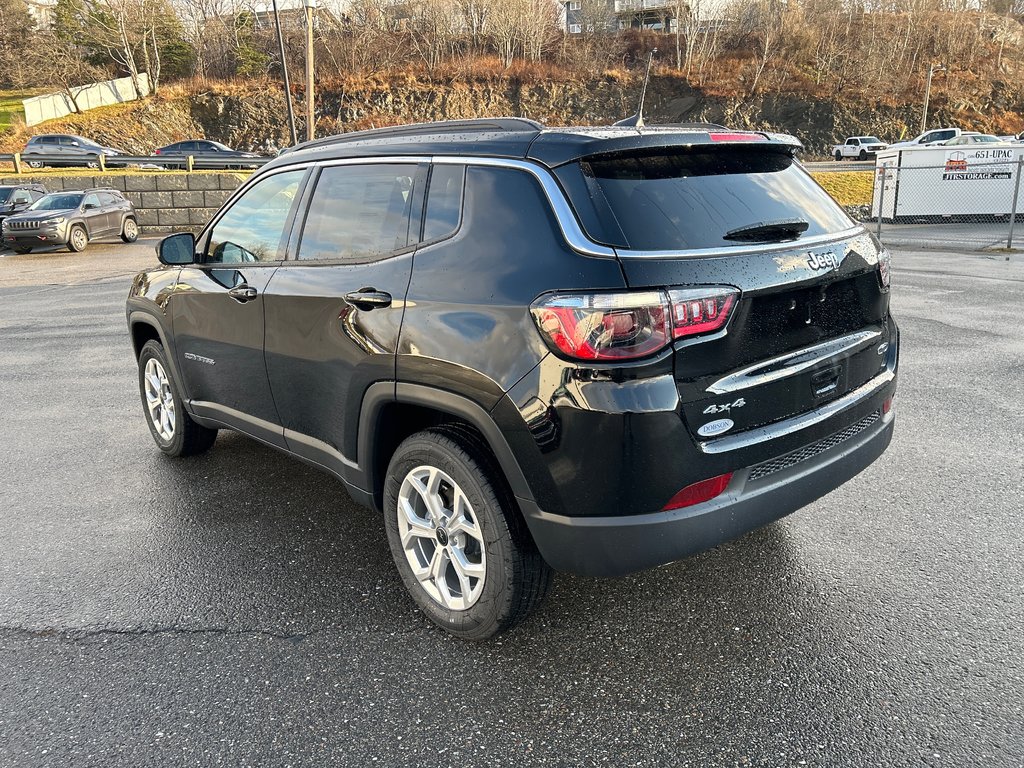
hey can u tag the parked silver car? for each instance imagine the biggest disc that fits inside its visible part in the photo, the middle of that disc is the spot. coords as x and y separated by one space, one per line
66 150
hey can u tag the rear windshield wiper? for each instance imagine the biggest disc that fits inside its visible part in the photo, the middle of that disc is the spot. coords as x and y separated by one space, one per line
768 231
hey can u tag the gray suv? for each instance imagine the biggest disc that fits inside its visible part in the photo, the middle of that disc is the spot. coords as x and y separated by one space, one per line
65 150
72 219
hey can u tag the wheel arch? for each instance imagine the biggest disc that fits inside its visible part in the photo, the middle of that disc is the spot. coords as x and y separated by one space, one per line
143 326
391 412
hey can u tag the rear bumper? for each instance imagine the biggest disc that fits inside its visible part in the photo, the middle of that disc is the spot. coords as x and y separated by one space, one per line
614 546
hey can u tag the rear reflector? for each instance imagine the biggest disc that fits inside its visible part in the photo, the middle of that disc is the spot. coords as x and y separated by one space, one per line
705 490
887 405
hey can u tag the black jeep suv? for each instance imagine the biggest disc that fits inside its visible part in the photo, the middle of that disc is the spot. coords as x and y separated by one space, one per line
593 350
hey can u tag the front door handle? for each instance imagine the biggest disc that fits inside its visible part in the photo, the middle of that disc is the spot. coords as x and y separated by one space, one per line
368 298
243 293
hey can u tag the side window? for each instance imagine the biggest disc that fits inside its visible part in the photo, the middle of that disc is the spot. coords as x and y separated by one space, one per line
359 212
22 196
444 201
851 142
108 199
253 227
92 200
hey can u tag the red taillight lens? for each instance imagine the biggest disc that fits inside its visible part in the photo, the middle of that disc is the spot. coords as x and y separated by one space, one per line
603 326
696 310
887 405
696 493
156 151
627 326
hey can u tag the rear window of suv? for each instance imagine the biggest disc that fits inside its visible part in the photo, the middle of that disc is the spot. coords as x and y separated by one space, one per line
687 199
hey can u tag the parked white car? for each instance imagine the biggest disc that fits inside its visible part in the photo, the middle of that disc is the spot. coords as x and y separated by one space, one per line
970 137
859 148
928 138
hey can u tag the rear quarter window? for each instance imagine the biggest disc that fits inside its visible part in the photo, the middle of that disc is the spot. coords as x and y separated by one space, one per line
691 198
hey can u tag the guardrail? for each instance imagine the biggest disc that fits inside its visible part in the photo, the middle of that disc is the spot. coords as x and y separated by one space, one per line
106 162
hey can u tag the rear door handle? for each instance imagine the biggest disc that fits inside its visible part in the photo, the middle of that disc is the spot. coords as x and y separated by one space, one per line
368 298
243 293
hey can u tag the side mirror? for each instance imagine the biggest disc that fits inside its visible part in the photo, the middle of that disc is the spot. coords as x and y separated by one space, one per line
177 249
89 206
75 144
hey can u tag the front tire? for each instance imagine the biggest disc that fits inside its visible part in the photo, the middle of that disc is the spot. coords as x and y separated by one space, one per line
21 249
174 431
863 155
130 230
78 238
459 542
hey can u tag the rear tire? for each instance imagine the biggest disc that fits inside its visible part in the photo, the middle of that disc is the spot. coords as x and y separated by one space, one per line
479 570
838 156
35 163
174 431
78 238
130 230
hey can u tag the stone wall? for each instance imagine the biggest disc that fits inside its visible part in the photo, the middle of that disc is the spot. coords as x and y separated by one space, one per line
164 201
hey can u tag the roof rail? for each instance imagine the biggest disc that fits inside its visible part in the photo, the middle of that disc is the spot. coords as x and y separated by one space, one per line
510 124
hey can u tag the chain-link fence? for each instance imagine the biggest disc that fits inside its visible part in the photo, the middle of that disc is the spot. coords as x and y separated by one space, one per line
962 203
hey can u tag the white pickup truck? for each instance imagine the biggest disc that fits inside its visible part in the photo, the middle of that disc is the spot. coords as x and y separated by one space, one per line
858 148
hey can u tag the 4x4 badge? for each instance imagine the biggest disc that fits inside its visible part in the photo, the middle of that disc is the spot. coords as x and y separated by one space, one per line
823 260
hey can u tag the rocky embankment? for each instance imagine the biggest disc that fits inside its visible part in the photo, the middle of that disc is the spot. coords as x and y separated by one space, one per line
245 116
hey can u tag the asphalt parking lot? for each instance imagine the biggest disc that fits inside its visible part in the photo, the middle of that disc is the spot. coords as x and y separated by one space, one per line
237 609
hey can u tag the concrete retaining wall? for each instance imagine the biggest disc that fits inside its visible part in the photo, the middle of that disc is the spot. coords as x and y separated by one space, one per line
164 202
53 105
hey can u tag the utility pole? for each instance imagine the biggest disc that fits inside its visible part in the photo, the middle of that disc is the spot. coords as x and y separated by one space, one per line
284 69
932 69
310 11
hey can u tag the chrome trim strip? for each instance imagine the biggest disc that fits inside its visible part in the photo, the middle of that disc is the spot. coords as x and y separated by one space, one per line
571 229
795 424
743 249
791 363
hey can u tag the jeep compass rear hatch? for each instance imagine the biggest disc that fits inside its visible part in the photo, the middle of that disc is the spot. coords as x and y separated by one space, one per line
779 301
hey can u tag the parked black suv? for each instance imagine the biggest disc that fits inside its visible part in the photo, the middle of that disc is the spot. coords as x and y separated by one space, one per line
594 350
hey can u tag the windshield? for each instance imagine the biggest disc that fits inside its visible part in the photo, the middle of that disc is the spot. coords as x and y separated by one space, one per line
871 140
675 199
56 203
220 146
986 139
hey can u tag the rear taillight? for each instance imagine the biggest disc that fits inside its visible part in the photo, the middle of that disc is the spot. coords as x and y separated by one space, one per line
697 493
156 151
627 326
884 265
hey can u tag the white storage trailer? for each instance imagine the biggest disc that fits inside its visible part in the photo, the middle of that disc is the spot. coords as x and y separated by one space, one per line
942 181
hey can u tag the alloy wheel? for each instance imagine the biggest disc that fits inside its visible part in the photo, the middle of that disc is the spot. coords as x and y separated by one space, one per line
441 538
79 239
159 399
